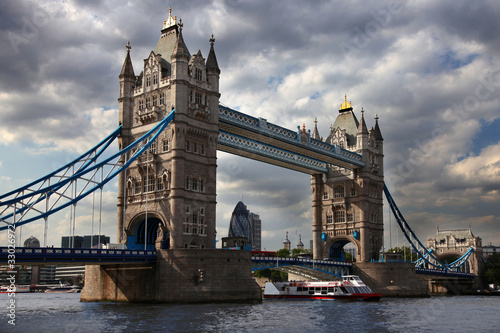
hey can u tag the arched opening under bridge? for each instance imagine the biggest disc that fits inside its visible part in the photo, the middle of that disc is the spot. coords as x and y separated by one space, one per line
149 236
451 257
343 249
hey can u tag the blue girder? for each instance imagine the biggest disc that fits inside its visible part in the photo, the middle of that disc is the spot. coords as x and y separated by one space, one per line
335 268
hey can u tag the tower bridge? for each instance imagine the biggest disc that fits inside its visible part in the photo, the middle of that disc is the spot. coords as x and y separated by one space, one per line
171 126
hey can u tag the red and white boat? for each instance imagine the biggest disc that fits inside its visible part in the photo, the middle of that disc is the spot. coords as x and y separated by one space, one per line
351 287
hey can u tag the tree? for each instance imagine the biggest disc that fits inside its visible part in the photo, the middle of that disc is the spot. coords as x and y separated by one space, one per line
283 253
492 269
406 253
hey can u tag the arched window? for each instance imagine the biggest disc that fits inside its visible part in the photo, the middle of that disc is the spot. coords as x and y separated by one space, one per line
339 215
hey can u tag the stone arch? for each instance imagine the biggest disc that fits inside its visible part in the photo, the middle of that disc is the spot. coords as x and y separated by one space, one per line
335 245
140 237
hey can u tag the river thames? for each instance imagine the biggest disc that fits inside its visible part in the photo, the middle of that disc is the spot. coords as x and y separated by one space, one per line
39 312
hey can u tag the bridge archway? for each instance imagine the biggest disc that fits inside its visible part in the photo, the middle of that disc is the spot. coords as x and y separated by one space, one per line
335 248
139 232
451 257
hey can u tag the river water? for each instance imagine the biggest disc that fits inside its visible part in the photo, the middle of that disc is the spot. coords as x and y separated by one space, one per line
61 312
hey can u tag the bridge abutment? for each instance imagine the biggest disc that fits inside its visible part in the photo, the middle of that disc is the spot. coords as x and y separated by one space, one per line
392 279
178 276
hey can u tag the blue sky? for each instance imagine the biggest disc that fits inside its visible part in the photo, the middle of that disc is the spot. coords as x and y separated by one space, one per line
429 70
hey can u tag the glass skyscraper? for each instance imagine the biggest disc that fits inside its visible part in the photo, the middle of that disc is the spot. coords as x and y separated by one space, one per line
246 224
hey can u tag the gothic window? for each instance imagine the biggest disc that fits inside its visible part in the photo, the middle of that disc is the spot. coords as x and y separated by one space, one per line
162 98
187 145
141 104
137 188
149 185
195 147
155 100
202 186
339 191
339 215
197 98
353 192
165 145
202 149
160 185
148 102
202 211
155 78
153 147
206 100
148 81
329 218
198 74
190 96
194 184
325 195
187 182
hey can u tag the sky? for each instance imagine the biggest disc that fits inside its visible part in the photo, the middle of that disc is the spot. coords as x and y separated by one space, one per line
430 71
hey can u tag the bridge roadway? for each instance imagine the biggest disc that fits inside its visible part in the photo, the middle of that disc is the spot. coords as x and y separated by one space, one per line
66 256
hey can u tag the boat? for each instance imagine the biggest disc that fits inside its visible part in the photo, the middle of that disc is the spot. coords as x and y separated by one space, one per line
64 288
16 289
350 288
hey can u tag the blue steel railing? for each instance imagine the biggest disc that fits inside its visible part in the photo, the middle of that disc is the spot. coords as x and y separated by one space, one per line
45 255
336 268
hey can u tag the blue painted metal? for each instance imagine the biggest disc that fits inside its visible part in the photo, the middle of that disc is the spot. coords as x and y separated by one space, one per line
444 273
262 127
425 254
334 268
28 202
61 255
255 147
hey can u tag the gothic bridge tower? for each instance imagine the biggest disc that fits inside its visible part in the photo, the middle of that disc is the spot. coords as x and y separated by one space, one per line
167 197
347 204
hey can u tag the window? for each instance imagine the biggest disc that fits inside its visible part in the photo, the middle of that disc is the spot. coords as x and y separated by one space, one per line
137 188
188 209
141 104
187 182
155 78
155 100
202 211
195 218
195 147
165 145
148 102
339 191
148 81
325 195
198 74
160 185
149 186
339 216
187 145
202 149
197 98
353 192
206 100
350 216
202 186
162 98
153 147
194 184
329 218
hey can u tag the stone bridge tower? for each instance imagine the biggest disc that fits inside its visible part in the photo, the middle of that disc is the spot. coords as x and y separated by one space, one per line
449 245
167 197
347 204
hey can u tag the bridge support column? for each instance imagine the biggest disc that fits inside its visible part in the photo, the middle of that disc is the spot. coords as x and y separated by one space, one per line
317 204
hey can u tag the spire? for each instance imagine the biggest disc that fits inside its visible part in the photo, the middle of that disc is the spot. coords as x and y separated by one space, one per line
212 60
362 129
180 48
127 69
171 21
378 134
316 132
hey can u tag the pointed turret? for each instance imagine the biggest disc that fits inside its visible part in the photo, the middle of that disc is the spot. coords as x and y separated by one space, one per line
127 69
377 133
362 134
316 132
212 64
362 129
180 49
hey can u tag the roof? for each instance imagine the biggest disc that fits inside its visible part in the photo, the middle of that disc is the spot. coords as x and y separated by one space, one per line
347 121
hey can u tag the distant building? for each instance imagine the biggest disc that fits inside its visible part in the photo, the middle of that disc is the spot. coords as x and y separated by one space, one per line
32 242
489 250
84 242
246 224
287 245
300 245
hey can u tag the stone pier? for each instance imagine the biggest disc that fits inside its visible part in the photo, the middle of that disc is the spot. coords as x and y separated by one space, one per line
178 276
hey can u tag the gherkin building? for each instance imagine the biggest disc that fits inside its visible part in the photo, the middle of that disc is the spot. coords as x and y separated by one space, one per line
246 224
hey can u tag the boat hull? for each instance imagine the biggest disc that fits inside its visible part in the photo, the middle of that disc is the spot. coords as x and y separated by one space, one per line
363 297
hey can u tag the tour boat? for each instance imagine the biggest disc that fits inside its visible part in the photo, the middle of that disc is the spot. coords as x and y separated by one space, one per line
350 287
62 288
17 289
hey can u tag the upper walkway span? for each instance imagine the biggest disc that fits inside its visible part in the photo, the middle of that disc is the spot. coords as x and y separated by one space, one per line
255 138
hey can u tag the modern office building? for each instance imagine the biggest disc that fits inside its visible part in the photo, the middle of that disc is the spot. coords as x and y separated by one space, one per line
246 224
